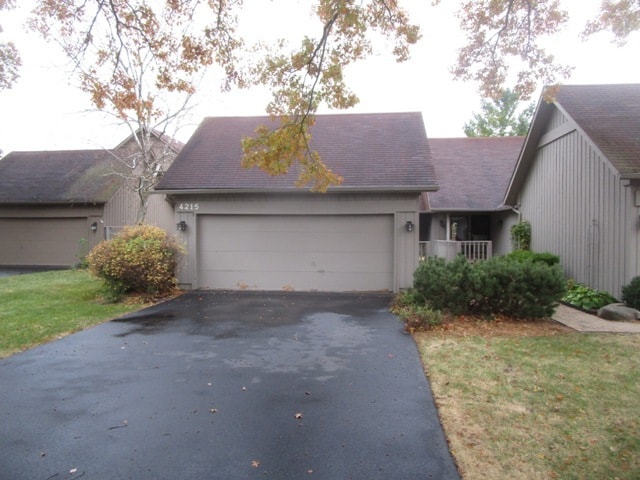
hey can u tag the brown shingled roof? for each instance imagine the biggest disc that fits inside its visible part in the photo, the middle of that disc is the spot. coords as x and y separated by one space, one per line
370 151
473 173
73 176
610 116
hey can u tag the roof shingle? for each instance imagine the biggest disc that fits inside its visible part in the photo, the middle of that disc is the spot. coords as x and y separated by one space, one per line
73 176
473 173
370 151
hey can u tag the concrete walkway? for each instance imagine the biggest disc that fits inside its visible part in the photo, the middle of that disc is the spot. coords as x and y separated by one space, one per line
585 322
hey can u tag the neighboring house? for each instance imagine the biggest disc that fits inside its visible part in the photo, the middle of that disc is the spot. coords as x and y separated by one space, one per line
466 214
163 151
56 205
577 182
245 229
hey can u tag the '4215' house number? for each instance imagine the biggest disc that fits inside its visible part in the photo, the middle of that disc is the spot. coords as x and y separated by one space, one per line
189 207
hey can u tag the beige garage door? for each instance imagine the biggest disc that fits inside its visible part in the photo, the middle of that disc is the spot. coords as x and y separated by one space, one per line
41 241
290 252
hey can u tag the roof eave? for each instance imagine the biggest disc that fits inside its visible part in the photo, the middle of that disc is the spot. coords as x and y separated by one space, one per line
19 203
218 191
630 176
466 209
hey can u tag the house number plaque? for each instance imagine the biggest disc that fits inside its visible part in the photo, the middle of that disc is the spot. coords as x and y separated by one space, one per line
189 207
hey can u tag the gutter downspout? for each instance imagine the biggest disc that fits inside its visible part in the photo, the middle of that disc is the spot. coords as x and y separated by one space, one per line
516 209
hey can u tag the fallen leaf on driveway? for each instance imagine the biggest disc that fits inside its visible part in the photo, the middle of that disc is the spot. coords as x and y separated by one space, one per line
298 416
255 463
214 410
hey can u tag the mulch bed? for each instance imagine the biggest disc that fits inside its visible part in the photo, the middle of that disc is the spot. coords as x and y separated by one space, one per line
499 326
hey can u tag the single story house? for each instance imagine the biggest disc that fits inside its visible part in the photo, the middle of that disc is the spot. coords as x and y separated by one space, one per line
466 215
56 205
577 181
245 229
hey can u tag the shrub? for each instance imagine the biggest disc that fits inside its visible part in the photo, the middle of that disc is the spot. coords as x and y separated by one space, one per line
140 259
410 307
444 285
586 298
525 255
498 286
631 293
520 289
521 235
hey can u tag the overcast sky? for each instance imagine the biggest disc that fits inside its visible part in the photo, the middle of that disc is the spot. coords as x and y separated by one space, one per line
43 112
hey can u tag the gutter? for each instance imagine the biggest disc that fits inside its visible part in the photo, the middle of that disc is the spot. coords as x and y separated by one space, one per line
216 191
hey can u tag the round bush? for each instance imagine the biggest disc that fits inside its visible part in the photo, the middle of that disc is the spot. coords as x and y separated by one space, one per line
631 293
140 259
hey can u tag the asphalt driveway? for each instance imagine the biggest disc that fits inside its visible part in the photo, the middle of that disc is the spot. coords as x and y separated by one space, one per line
221 385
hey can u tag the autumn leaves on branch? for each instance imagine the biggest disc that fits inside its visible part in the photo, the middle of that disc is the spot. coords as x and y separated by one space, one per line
142 60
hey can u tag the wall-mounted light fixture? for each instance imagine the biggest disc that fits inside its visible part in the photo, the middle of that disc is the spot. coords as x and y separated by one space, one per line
94 227
409 226
443 223
181 225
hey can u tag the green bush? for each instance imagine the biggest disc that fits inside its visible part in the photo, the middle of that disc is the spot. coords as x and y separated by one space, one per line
586 298
631 293
444 285
521 235
141 259
520 289
498 286
525 255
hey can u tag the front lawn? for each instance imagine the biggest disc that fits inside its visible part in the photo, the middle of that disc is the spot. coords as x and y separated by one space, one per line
536 402
38 307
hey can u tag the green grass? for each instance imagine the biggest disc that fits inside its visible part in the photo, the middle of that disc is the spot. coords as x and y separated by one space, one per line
557 407
38 307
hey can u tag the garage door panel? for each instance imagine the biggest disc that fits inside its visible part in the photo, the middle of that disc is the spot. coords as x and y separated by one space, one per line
296 262
287 280
238 240
332 253
41 241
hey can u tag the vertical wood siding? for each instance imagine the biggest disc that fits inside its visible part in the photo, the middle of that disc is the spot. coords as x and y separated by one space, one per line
121 210
579 209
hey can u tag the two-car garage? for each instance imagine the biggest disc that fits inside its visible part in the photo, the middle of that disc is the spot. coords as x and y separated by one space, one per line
245 229
296 252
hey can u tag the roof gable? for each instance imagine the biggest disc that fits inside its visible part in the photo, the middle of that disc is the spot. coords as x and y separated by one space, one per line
609 117
157 137
73 176
370 151
473 173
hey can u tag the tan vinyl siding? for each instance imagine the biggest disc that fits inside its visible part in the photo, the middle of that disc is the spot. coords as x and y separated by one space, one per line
579 210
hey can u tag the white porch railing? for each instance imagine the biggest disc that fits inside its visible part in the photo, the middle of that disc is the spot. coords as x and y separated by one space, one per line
449 249
111 232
